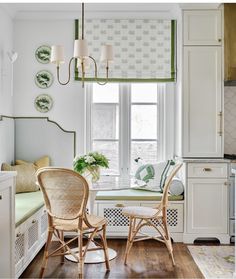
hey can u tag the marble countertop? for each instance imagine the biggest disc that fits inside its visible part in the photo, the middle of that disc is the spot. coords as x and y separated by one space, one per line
205 160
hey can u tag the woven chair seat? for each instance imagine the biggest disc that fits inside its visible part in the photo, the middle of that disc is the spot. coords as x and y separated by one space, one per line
72 225
140 211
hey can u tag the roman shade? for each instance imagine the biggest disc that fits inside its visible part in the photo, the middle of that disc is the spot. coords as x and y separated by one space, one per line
144 49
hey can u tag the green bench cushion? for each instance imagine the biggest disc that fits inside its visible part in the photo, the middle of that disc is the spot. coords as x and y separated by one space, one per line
26 204
134 195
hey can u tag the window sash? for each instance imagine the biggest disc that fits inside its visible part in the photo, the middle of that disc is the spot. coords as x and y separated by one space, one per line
164 115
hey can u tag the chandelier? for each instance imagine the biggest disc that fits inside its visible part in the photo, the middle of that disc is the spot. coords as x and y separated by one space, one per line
81 53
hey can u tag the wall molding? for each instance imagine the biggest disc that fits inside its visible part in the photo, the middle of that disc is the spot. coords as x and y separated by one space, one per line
43 118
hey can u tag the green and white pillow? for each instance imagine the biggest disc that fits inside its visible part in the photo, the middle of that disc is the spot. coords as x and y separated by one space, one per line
154 174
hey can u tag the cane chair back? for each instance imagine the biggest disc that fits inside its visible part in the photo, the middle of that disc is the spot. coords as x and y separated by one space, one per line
172 173
65 192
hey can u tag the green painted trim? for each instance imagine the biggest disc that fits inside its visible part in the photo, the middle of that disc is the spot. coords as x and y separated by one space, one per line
76 38
44 118
173 49
143 80
129 79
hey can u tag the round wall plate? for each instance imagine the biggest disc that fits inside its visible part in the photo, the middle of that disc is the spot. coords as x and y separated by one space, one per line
43 54
43 103
44 79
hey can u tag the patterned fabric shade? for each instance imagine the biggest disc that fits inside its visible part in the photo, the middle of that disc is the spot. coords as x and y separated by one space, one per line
144 50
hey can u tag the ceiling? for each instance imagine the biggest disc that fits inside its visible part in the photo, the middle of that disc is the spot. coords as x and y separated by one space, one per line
63 10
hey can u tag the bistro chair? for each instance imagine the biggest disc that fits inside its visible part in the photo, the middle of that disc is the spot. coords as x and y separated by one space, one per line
140 216
65 194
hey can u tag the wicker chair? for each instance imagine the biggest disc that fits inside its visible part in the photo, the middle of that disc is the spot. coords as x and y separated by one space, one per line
140 216
66 194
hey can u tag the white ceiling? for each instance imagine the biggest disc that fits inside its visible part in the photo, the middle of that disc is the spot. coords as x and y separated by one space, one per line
72 10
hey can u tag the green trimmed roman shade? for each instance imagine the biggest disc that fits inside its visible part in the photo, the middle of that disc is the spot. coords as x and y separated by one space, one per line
144 49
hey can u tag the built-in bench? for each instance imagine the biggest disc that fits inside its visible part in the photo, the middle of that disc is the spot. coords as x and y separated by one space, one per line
110 203
31 228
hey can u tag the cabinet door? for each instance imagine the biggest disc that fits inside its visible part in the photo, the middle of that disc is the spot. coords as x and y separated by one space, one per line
202 27
207 210
202 105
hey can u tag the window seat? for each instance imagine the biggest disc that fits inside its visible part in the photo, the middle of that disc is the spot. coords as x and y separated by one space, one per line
26 204
134 195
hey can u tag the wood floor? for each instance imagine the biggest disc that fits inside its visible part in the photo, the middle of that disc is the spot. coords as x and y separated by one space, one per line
147 259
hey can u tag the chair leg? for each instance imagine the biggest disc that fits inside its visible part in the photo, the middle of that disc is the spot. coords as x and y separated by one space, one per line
81 258
45 256
168 241
63 248
104 244
129 242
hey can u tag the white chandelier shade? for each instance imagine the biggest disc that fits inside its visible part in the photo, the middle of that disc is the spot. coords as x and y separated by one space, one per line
57 55
81 49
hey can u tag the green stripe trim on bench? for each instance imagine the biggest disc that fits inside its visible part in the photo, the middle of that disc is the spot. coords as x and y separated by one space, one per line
134 195
26 204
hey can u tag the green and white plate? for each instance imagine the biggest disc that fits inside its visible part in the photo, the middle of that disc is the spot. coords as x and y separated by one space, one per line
43 103
43 54
44 79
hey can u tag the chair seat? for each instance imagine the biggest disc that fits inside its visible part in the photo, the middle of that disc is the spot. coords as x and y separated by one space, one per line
72 225
140 211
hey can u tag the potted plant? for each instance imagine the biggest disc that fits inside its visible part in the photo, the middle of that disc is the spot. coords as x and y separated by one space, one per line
90 164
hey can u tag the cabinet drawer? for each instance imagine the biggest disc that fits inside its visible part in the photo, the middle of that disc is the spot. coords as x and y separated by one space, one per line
211 170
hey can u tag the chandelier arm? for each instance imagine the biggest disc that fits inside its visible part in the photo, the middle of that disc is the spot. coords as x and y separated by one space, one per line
58 73
96 72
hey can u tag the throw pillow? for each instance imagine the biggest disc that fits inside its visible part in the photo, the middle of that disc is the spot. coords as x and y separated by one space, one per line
40 163
25 179
145 172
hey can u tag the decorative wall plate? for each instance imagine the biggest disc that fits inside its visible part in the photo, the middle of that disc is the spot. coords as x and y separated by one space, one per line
44 79
43 54
43 103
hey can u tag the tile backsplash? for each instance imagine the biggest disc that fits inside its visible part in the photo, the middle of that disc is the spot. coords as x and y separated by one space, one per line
230 119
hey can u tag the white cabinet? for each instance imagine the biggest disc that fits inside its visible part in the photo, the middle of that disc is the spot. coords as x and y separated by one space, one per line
200 99
202 103
206 202
207 206
7 225
202 27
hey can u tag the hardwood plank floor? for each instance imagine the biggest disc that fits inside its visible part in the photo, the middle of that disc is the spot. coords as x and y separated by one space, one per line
147 259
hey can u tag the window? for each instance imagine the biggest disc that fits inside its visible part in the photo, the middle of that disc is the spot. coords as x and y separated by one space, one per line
126 121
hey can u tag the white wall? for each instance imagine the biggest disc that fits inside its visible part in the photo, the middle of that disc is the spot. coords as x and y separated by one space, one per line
6 44
68 100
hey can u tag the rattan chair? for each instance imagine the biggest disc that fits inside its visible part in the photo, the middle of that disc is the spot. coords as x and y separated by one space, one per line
140 216
66 194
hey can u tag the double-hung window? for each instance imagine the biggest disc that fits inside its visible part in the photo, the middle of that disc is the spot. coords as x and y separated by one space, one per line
126 121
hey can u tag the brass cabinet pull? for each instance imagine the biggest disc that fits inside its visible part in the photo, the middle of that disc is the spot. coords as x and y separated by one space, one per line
219 40
220 114
207 169
120 205
227 183
33 221
18 234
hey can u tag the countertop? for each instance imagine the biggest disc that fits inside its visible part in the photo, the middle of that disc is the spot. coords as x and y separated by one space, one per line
4 175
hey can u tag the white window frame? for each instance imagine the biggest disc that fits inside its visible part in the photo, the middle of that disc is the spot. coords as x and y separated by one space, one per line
165 125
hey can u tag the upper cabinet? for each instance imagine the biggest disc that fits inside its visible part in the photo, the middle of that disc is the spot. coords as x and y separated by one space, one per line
202 27
201 105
